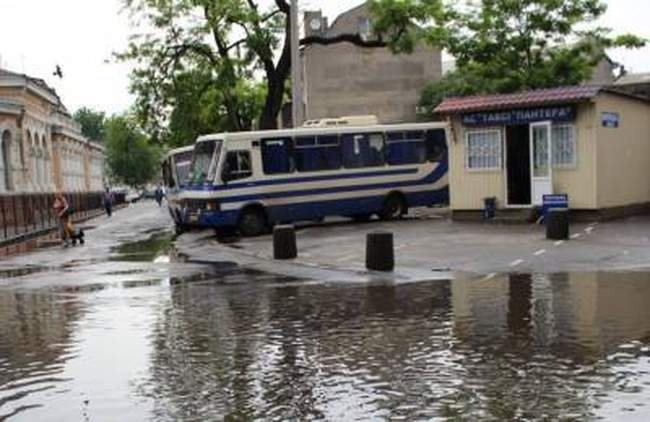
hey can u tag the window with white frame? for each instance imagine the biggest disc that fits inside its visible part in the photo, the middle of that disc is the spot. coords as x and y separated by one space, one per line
483 150
564 146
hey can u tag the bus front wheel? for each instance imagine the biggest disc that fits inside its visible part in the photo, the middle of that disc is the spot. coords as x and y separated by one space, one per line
252 222
393 208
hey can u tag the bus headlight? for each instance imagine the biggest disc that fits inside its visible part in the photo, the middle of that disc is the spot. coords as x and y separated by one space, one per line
212 205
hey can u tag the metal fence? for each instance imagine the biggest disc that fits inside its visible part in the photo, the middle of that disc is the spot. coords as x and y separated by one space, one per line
27 215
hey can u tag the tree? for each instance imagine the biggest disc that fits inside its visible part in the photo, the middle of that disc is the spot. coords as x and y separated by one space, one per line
131 159
233 41
504 46
92 123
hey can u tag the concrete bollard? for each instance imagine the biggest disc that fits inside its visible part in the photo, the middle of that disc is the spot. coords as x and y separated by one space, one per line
284 242
557 224
380 255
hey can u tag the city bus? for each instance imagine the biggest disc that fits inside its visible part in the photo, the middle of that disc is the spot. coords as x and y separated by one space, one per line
175 174
254 180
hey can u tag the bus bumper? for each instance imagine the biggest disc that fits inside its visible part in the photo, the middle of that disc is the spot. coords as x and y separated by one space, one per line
204 218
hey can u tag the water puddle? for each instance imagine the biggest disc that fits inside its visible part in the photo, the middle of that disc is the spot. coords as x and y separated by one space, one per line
148 250
22 272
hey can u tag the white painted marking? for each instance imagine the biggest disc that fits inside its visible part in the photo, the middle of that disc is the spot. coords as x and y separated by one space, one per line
398 247
626 252
588 230
346 258
516 263
576 236
489 276
540 252
559 243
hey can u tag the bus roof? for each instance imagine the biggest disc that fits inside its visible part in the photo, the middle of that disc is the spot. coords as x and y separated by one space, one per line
306 131
180 150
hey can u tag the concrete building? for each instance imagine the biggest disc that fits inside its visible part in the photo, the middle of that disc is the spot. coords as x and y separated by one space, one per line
634 83
343 79
42 148
590 142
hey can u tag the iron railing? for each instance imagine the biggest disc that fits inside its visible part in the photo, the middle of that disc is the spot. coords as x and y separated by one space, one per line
27 215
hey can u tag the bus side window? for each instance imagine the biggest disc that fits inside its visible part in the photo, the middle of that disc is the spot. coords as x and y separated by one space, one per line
277 156
436 145
405 148
363 150
317 153
237 166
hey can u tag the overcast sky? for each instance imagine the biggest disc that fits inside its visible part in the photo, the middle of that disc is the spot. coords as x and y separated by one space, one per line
80 35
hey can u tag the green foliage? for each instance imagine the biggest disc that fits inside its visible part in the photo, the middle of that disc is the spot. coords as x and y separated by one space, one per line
196 67
92 123
504 46
131 159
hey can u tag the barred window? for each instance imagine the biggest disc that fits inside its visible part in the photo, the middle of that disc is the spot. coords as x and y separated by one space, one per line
564 146
483 150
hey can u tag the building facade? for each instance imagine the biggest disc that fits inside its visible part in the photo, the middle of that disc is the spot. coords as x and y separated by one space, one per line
42 148
591 143
343 79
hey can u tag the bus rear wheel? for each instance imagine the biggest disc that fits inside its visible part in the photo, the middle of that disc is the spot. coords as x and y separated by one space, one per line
252 222
393 208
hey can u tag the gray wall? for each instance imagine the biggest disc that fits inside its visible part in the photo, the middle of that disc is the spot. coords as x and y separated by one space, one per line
343 79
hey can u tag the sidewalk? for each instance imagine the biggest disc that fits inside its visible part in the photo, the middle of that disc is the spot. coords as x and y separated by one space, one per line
432 246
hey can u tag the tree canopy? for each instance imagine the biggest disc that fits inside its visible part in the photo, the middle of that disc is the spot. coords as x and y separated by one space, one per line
231 43
131 159
504 46
92 123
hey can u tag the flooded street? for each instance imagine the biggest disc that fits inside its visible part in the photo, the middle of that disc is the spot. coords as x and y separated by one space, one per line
124 333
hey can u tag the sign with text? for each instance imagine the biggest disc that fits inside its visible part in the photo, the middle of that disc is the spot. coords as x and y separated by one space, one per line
610 120
520 116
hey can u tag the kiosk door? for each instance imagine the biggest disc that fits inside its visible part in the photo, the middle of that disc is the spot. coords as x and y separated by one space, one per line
540 161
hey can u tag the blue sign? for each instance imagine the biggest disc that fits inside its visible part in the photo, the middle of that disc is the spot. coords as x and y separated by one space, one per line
610 120
520 116
550 202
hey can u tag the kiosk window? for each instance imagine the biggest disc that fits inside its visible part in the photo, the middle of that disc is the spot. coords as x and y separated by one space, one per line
564 146
483 150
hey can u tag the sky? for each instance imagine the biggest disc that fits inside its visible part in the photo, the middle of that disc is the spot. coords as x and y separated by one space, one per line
81 35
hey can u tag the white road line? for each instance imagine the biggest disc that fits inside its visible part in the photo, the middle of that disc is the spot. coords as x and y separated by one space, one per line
516 263
345 258
489 276
398 247
576 236
559 243
540 252
588 230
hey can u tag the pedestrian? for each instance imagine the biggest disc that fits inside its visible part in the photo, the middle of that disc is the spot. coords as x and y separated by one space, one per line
159 195
108 202
61 210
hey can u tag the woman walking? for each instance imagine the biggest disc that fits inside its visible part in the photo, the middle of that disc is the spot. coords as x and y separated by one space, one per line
61 208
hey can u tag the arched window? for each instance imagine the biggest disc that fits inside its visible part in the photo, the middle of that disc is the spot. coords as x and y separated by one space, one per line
5 162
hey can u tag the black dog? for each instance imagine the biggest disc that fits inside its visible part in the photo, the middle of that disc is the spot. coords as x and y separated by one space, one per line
78 236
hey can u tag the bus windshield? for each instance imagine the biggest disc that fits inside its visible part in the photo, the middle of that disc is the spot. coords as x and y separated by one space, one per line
183 163
204 162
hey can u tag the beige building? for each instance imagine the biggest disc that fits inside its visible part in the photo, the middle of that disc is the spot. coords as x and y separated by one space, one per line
343 79
591 143
42 148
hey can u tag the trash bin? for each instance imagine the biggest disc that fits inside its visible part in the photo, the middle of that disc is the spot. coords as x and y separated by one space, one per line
490 208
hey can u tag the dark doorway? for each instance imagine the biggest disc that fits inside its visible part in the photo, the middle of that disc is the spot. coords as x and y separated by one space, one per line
518 164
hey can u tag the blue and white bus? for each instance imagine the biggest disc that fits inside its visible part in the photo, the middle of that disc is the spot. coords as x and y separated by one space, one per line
175 175
253 180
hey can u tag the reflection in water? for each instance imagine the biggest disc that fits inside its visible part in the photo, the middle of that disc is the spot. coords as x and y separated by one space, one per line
513 347
35 332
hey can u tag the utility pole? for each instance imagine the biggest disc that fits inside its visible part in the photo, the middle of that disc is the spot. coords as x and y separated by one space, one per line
296 68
